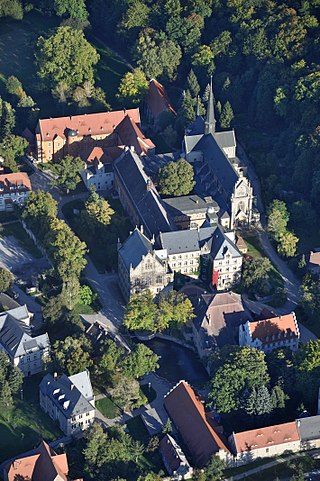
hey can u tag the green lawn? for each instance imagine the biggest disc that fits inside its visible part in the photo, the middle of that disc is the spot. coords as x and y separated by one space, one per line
17 48
137 429
16 230
107 408
22 429
256 251
110 70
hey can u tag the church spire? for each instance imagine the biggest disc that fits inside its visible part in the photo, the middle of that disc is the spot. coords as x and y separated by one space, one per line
210 123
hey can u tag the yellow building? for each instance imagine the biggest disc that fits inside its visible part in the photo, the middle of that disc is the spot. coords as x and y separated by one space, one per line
78 135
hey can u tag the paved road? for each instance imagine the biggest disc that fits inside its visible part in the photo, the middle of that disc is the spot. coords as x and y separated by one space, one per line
106 285
272 464
162 387
291 283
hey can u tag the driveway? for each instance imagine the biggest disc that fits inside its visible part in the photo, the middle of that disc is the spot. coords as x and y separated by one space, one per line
106 285
19 261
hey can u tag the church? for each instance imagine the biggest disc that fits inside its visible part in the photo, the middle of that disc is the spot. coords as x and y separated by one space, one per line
218 171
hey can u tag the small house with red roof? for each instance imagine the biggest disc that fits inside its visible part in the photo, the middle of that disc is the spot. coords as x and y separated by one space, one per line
198 431
157 101
264 442
40 464
14 189
269 334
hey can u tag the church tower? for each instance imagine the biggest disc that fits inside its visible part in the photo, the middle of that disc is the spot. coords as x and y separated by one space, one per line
210 122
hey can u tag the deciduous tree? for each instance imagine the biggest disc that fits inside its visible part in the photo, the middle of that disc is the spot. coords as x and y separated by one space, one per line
67 171
176 178
6 279
66 56
140 312
140 361
133 87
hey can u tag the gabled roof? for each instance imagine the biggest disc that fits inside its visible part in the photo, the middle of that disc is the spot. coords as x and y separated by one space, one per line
218 162
18 181
221 244
188 415
180 241
157 99
131 135
68 396
172 454
309 428
15 335
218 317
226 139
136 246
85 124
265 437
144 197
275 328
39 464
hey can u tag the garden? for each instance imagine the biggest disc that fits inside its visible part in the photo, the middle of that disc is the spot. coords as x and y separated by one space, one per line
22 427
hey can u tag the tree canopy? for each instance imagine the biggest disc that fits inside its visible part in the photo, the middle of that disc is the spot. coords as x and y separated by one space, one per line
176 178
66 57
236 370
6 279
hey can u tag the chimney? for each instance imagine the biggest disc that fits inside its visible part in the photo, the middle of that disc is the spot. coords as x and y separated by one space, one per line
55 375
124 111
149 185
141 228
71 387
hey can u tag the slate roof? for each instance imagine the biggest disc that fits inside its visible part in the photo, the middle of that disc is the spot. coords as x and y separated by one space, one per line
219 243
196 127
172 454
218 317
144 197
190 204
180 241
218 162
193 240
15 334
188 415
136 246
225 139
309 428
69 400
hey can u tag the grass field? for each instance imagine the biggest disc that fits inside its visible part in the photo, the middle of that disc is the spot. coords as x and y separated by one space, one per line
255 250
107 408
17 48
22 429
17 231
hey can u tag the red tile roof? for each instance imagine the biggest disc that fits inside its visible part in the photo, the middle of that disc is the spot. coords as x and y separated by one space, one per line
42 464
15 180
86 124
131 135
189 417
265 437
157 99
275 328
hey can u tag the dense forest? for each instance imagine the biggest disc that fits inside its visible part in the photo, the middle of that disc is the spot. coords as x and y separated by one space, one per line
263 56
